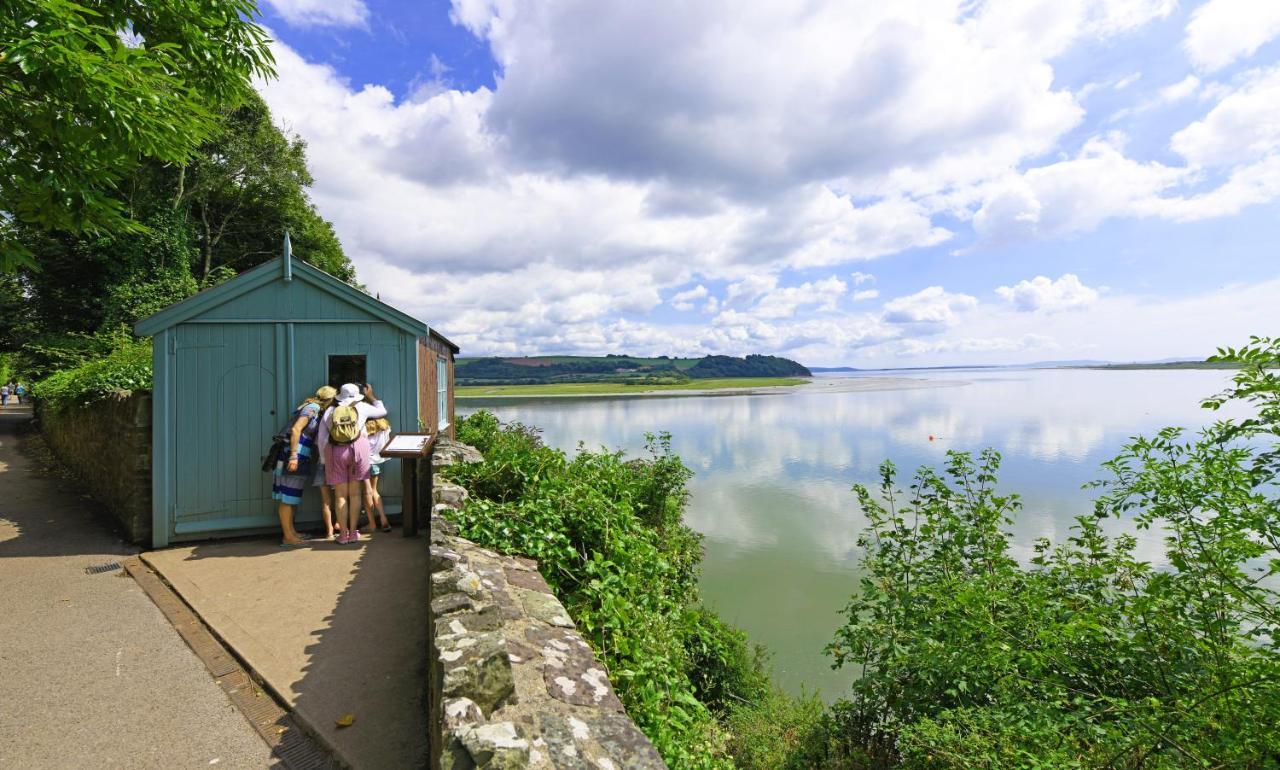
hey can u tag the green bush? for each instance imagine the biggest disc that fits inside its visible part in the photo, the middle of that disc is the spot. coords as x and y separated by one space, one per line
127 368
1089 656
607 535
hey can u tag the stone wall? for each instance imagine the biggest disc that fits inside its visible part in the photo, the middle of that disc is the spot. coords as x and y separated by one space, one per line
511 683
108 445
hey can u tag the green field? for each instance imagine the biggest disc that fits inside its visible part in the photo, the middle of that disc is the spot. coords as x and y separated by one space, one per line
615 388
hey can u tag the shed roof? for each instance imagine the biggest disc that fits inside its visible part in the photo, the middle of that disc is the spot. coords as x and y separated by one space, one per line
278 269
446 341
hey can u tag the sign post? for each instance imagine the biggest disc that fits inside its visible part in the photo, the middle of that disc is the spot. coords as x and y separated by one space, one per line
410 448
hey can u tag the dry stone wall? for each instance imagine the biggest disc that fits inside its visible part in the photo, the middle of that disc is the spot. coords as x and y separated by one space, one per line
119 478
512 684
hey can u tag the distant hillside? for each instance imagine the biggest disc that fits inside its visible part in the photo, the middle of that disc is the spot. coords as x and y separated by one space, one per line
618 368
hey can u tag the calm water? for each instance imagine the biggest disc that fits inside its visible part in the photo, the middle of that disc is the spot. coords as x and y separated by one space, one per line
771 490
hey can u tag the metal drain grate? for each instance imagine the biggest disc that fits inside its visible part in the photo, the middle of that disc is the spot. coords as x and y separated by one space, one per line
98 569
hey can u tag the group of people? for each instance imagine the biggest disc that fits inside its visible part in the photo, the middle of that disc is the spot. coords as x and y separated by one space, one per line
12 390
333 442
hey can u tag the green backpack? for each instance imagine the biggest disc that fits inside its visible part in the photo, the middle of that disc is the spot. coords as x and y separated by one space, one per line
344 426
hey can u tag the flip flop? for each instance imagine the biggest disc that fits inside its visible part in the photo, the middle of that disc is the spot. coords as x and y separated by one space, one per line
387 528
293 545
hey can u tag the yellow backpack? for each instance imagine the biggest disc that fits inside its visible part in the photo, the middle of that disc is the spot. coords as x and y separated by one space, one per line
344 425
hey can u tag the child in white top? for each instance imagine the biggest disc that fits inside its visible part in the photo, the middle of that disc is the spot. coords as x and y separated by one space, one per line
379 431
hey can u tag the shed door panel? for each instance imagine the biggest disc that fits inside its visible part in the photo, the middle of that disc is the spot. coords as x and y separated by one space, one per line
225 415
381 345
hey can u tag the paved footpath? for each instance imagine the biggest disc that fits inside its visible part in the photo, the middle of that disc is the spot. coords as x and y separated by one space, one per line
91 674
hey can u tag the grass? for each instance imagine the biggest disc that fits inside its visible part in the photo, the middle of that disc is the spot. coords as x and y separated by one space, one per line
616 388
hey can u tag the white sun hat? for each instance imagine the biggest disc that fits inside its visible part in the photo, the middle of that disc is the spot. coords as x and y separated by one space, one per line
349 394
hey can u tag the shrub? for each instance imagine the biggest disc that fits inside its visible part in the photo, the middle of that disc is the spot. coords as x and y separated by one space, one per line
1089 656
125 369
607 535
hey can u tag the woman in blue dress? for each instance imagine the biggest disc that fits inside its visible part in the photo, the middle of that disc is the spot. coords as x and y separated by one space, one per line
296 463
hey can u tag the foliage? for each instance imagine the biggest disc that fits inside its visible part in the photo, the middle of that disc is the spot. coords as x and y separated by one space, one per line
779 732
89 90
619 369
244 189
607 534
126 368
751 366
1089 656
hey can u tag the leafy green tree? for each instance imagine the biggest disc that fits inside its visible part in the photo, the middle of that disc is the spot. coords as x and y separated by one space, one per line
89 90
246 187
1088 656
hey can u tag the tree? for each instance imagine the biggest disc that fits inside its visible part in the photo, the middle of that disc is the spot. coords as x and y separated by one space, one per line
244 188
88 91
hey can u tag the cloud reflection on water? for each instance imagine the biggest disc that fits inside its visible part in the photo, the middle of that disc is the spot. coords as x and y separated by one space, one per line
772 493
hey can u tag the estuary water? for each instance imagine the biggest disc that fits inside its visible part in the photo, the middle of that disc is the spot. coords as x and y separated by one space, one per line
771 490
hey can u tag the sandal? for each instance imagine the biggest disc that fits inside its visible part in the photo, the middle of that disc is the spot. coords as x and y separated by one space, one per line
386 527
293 545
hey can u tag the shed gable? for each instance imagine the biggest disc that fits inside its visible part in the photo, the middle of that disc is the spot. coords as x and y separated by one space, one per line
293 301
280 290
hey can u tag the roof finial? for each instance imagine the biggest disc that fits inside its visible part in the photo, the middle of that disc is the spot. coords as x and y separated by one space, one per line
288 258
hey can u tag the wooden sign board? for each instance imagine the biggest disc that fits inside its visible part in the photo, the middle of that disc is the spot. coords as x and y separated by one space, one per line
408 445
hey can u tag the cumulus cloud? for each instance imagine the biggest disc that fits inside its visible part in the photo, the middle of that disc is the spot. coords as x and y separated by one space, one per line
1222 31
1243 126
746 98
933 305
1073 196
627 153
1045 294
322 13
684 300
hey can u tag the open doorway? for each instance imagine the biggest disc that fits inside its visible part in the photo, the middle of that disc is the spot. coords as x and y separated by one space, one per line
344 369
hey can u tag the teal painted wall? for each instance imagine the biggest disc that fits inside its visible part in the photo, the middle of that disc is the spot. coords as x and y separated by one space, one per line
295 300
228 380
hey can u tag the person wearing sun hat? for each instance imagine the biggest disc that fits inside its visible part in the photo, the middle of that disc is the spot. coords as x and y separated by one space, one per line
297 460
344 446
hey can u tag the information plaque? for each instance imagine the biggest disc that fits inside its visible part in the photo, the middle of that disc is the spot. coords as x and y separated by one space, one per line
412 448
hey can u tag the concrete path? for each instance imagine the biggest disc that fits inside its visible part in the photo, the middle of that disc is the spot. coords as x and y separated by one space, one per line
332 629
91 673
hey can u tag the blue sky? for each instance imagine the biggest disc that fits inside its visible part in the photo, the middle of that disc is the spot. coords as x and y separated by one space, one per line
932 182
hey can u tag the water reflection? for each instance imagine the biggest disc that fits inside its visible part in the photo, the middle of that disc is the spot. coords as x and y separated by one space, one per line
771 490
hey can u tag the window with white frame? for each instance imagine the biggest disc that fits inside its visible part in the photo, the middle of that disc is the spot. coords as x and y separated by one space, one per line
442 392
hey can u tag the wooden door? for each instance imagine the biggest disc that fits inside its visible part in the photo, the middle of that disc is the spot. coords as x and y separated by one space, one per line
226 410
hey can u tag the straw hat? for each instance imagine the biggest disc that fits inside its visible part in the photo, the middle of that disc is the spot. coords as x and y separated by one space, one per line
326 393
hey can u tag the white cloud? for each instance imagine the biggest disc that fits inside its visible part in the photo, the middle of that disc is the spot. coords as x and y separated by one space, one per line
1221 31
933 305
685 299
627 153
783 303
1073 196
322 13
1180 90
1046 294
1243 126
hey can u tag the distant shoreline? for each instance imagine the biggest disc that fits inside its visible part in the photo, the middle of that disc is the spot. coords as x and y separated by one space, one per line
728 387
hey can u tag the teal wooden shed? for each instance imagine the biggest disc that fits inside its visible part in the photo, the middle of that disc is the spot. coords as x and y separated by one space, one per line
233 361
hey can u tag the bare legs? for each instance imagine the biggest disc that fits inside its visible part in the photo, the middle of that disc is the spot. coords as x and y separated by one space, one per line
373 502
347 506
326 510
290 535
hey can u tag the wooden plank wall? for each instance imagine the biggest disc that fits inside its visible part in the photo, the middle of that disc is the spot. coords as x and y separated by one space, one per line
430 351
